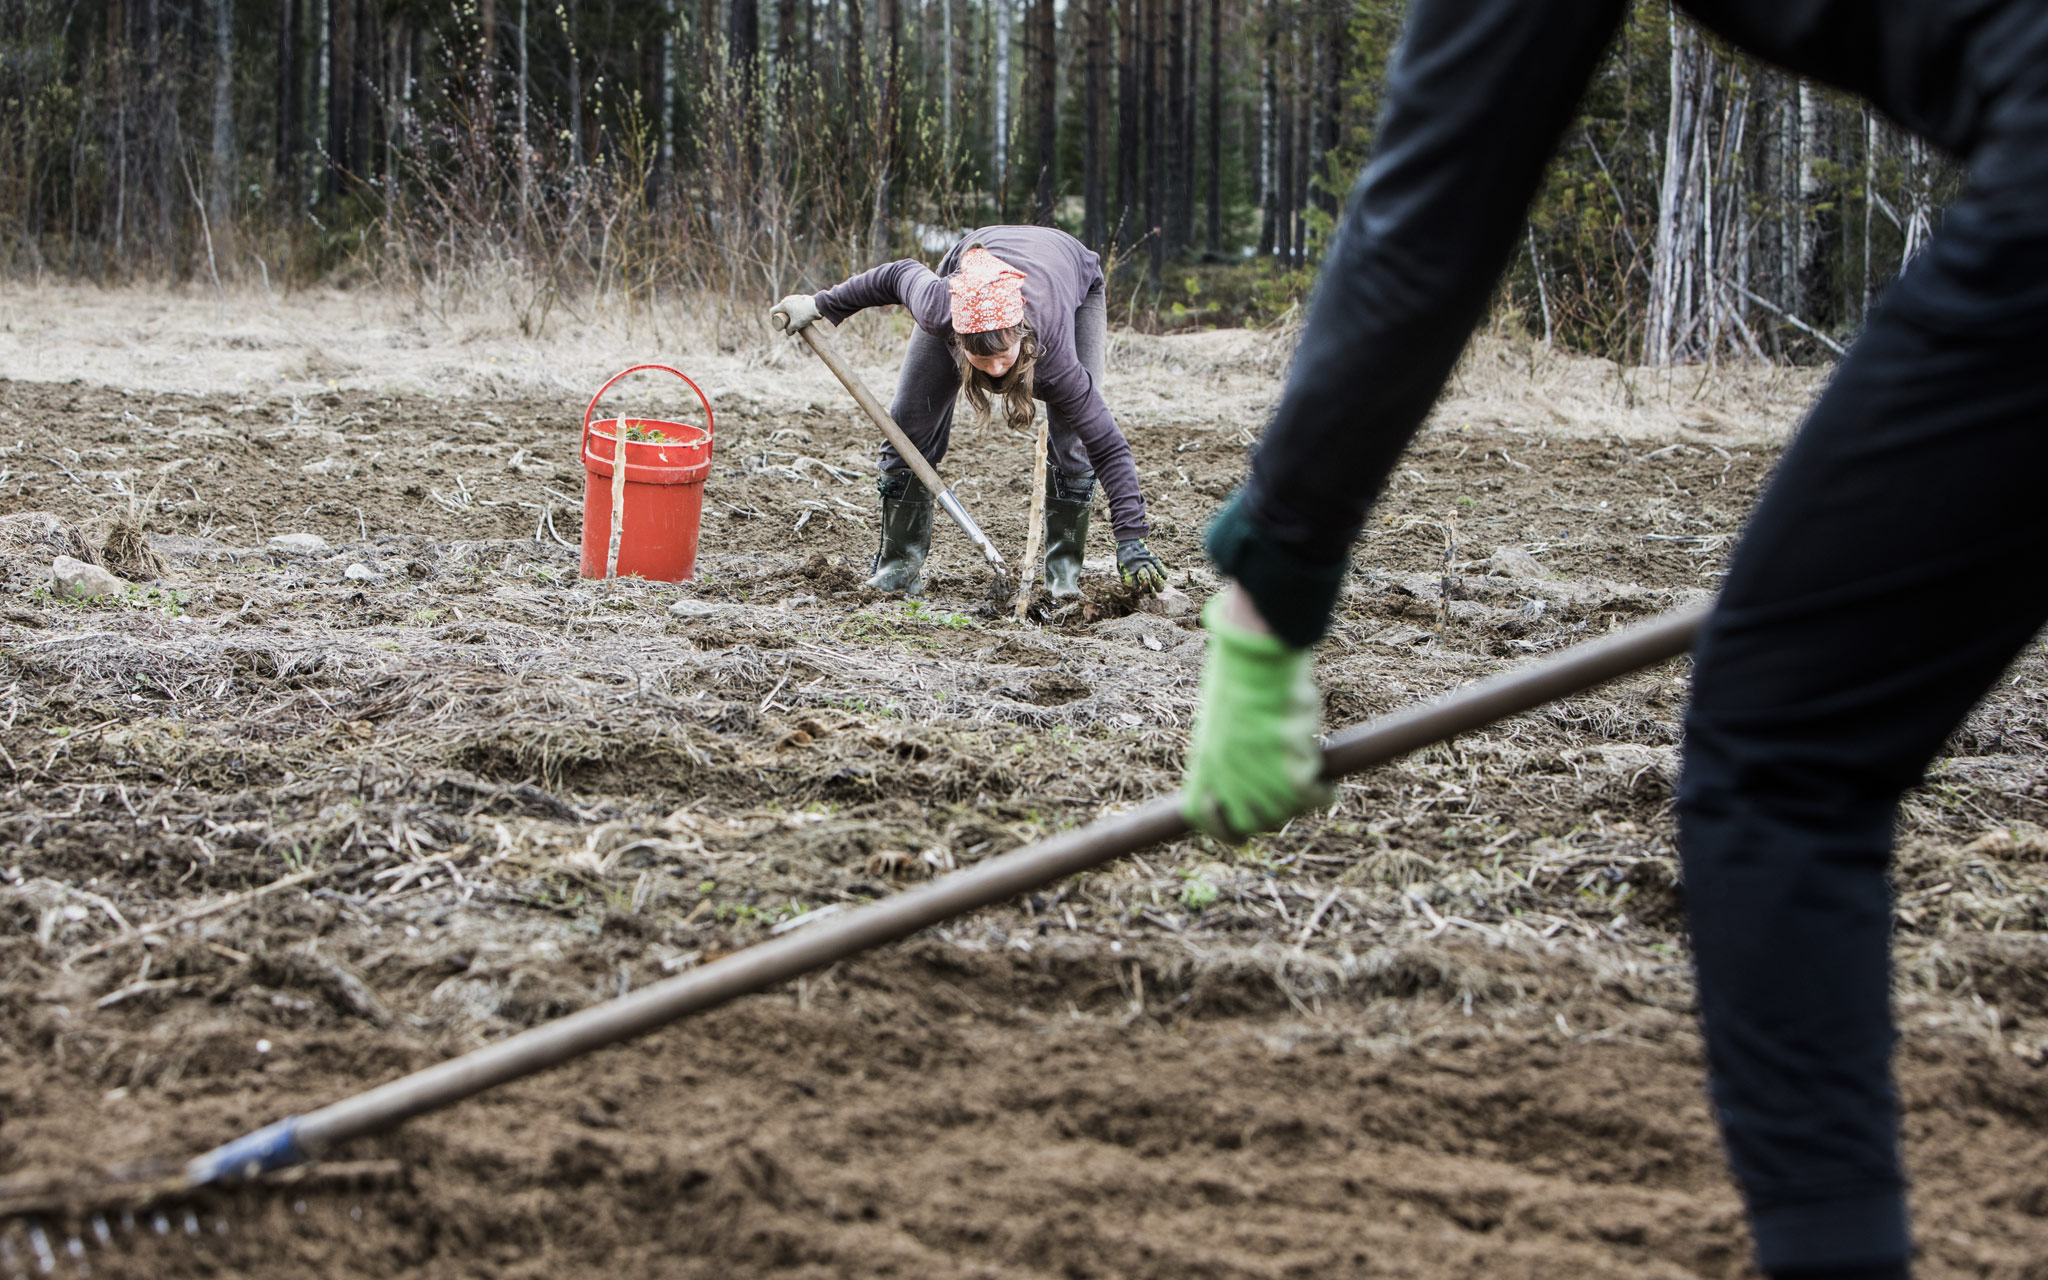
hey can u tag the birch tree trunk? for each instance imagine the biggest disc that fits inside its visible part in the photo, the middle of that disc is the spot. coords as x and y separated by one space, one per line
1269 113
1661 314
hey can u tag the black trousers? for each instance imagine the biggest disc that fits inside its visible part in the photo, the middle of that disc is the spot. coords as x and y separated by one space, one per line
1892 571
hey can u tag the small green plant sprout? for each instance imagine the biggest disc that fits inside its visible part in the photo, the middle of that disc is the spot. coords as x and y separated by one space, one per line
919 611
166 600
1196 893
647 433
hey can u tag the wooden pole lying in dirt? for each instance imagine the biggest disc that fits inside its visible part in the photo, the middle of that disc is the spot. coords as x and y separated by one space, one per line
829 941
1034 537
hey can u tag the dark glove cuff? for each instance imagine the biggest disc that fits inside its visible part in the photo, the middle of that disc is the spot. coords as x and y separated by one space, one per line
1294 596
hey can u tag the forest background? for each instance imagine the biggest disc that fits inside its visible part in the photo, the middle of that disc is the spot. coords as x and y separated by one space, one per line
1702 207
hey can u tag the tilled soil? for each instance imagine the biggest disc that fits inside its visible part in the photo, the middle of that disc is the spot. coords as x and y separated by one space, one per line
1442 1030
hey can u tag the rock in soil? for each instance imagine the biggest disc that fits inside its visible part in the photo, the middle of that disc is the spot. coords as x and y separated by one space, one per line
1170 602
77 580
1513 562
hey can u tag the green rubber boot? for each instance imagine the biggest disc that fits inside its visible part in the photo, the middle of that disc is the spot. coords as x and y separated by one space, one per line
1067 499
906 534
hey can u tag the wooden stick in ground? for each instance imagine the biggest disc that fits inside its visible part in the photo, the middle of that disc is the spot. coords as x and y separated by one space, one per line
611 560
196 913
1034 538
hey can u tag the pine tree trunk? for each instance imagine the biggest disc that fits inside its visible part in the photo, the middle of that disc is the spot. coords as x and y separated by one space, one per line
786 77
575 83
946 83
999 152
1155 145
1336 50
322 16
1094 201
159 122
887 159
286 147
1215 193
743 51
670 18
341 48
1127 144
362 92
1184 129
1176 44
1046 75
1814 224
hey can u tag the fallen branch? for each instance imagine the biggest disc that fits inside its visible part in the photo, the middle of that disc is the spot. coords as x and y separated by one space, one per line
1791 319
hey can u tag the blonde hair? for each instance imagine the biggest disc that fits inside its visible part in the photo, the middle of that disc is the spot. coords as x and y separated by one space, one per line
1014 387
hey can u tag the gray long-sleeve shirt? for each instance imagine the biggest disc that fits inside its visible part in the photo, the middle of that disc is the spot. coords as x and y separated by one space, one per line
1059 272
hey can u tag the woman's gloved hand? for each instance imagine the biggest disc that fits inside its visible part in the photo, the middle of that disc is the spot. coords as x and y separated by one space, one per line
1252 760
798 310
1139 566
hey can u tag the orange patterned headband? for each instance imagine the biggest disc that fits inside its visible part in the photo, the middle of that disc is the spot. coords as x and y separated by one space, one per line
988 293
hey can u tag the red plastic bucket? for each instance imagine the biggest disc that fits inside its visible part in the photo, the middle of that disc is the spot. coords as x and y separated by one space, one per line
664 491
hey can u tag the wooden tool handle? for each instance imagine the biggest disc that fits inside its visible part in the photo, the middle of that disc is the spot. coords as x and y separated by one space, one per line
899 915
822 347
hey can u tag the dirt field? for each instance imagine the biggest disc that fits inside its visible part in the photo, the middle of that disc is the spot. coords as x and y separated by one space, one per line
1444 1030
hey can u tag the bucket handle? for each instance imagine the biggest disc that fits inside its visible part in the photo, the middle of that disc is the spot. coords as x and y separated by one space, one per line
587 413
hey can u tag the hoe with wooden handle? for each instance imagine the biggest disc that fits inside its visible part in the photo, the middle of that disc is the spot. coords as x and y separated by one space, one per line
998 879
822 347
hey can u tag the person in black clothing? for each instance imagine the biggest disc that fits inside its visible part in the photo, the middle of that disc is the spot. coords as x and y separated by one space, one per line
1841 652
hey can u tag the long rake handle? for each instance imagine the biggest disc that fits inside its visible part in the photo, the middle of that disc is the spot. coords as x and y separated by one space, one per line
822 347
996 880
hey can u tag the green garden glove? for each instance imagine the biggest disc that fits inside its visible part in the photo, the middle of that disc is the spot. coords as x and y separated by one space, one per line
1252 761
1140 567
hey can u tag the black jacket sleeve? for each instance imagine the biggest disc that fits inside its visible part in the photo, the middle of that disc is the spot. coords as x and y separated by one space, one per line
1478 94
